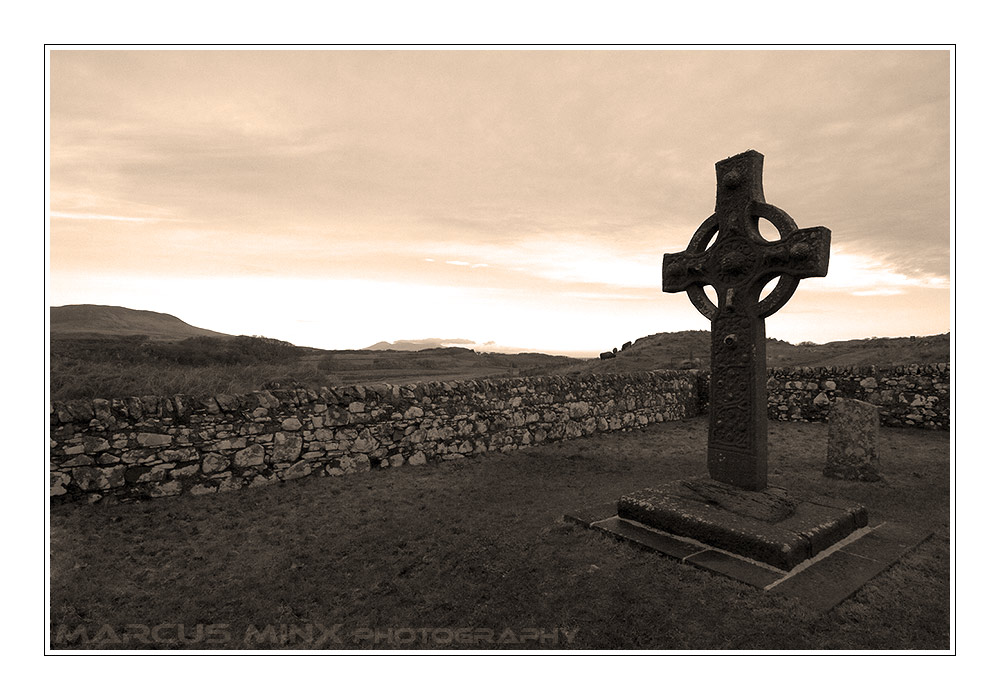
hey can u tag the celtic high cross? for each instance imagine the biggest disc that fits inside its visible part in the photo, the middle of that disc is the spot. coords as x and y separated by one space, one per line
738 264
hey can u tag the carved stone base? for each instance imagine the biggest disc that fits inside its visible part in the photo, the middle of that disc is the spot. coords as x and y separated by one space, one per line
770 505
769 526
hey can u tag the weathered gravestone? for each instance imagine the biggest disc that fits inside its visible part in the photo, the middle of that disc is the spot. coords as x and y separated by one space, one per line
734 509
852 441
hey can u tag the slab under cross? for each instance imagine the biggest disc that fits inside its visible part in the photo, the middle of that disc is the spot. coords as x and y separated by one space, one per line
738 262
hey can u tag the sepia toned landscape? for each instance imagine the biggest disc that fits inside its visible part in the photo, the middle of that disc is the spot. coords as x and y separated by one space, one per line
476 548
459 350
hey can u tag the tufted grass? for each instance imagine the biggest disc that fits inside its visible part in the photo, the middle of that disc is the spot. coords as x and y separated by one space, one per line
480 544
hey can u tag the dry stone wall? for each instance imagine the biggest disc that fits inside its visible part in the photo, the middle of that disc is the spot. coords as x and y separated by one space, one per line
149 447
907 396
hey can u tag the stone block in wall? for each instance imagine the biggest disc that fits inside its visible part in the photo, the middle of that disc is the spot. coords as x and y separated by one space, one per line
98 478
153 439
166 488
287 447
227 444
58 482
249 457
365 443
262 480
185 471
231 483
349 464
297 470
228 403
184 454
265 399
337 417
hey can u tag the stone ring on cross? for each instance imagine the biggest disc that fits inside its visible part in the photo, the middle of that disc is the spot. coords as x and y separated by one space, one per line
740 262
736 259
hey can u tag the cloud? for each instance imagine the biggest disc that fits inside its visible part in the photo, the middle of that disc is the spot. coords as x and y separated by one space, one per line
862 275
566 258
878 292
528 175
101 217
606 296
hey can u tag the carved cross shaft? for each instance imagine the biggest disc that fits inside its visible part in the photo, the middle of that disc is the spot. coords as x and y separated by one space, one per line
738 264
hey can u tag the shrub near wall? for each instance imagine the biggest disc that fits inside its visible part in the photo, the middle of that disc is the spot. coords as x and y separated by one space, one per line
151 447
907 396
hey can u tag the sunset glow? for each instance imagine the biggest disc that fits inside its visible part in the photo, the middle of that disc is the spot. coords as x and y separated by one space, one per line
336 198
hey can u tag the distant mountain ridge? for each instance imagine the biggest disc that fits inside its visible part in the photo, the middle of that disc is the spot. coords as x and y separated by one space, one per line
671 350
422 344
94 320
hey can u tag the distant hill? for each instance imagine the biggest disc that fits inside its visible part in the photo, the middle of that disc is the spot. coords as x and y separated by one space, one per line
423 344
92 320
692 350
110 352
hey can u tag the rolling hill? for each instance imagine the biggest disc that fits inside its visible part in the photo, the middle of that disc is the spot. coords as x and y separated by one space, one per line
110 352
692 350
92 320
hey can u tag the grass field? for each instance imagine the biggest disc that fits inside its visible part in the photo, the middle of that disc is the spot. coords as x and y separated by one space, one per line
479 544
111 366
118 367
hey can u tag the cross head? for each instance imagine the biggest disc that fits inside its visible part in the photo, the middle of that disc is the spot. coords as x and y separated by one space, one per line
728 253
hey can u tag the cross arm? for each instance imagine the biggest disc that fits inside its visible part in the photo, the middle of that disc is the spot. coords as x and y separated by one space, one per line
683 270
799 254
803 253
690 269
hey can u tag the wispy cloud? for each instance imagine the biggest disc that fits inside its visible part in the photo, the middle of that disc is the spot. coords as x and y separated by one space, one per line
103 217
553 177
606 296
566 258
878 292
861 275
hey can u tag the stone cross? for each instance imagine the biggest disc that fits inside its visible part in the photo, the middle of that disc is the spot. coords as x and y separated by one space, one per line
738 264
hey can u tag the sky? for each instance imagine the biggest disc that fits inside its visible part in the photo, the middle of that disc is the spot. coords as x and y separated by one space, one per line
519 199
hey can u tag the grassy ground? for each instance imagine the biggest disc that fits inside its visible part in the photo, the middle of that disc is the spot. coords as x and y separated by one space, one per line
480 544
116 367
111 367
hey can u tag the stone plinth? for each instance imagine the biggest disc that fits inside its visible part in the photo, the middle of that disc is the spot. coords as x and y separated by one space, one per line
819 583
768 526
852 443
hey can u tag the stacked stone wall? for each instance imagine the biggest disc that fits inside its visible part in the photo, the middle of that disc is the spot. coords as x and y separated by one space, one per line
907 396
149 447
